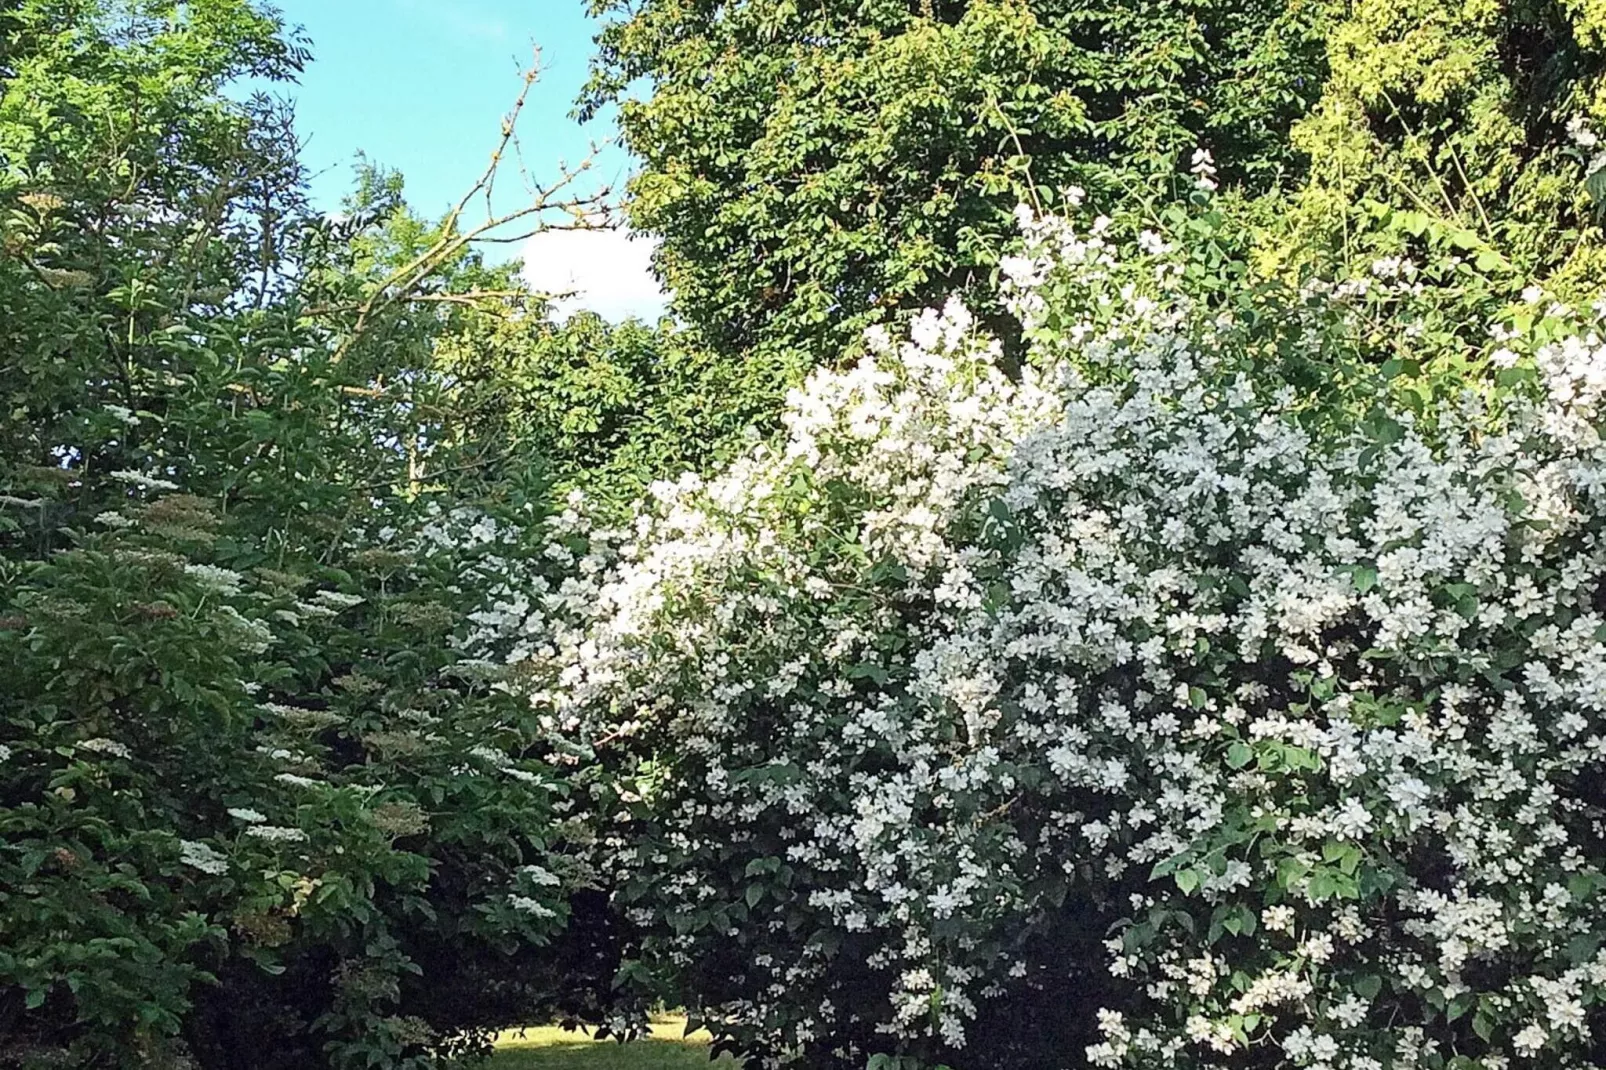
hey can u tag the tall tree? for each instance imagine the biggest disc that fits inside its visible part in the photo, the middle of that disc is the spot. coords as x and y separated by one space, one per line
811 165
142 209
256 809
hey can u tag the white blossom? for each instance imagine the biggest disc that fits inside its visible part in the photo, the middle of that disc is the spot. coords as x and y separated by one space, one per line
203 857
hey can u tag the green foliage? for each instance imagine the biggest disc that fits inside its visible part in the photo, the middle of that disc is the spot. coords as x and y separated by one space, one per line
170 709
125 227
514 392
609 407
256 806
1461 111
811 167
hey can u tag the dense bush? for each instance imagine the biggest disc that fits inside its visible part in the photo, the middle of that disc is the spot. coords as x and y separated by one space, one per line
246 802
256 807
1223 691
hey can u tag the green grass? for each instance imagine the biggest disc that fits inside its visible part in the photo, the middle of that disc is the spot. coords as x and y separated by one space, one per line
551 1048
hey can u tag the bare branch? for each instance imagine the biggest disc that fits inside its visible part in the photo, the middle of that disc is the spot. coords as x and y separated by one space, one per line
465 297
553 206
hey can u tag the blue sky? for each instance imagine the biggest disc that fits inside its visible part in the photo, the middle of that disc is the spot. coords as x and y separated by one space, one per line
422 86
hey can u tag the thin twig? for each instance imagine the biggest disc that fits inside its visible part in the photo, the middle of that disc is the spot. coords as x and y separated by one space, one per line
465 297
589 211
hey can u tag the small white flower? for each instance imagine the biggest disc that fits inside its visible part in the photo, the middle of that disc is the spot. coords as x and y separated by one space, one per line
1350 1012
252 817
1318 948
1530 1040
1278 919
1352 820
1152 244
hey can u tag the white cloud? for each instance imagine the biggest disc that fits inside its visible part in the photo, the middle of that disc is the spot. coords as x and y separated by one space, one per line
610 270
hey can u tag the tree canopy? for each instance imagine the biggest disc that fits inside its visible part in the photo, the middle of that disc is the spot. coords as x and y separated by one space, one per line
811 167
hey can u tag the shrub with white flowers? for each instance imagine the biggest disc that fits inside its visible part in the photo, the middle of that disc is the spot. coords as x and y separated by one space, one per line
1227 689
271 804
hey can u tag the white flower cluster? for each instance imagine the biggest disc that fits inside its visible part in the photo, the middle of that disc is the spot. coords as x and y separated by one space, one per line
337 600
122 414
1580 133
106 746
1303 698
276 834
534 907
141 480
202 856
215 578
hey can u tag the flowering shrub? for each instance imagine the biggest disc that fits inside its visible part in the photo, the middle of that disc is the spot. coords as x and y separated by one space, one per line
270 807
1224 690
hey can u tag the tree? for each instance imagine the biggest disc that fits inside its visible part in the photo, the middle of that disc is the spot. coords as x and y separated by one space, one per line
137 202
1483 115
257 808
812 167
